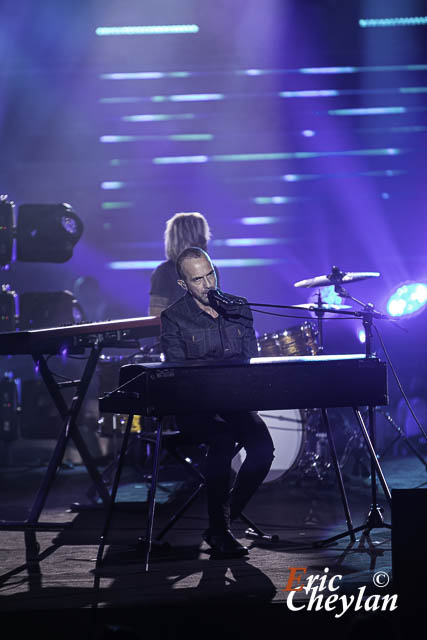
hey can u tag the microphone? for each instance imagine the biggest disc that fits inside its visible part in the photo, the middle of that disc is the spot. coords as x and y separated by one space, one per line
216 295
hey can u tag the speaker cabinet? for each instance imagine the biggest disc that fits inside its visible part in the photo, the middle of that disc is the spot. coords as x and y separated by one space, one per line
409 546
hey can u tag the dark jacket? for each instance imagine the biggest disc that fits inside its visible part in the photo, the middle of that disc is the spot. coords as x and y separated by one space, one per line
189 333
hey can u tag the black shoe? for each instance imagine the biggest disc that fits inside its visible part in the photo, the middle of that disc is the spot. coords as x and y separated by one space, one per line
224 544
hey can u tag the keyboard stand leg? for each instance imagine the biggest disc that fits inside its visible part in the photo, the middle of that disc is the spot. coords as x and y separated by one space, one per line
69 430
375 518
146 544
114 488
374 459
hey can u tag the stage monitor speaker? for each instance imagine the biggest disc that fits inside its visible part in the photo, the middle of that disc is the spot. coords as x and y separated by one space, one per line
409 544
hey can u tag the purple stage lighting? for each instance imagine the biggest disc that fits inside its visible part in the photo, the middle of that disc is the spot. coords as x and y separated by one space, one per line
408 299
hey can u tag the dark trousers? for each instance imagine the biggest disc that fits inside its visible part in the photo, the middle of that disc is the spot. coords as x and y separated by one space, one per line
221 432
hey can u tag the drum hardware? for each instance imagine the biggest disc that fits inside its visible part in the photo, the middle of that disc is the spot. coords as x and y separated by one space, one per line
337 277
314 465
308 458
295 341
310 306
319 310
315 461
375 517
400 435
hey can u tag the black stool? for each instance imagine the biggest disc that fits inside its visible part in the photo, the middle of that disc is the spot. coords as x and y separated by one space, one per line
170 442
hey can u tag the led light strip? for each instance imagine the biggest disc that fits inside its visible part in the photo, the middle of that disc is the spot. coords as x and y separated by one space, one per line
222 262
278 199
413 21
154 75
147 30
300 155
175 137
215 97
250 242
373 111
108 206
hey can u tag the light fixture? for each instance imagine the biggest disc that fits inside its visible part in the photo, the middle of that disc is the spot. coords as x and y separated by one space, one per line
9 414
41 309
8 308
43 232
47 232
7 224
409 298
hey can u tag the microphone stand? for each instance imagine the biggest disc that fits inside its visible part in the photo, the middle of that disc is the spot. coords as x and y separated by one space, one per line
375 517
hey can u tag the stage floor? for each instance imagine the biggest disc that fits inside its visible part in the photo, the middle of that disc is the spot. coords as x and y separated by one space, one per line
185 590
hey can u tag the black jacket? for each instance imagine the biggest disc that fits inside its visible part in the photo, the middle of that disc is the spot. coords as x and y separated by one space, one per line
189 333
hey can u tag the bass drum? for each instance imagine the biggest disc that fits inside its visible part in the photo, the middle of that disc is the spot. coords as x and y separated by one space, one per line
288 432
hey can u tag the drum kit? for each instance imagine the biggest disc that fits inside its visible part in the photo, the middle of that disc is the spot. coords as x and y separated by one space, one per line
301 444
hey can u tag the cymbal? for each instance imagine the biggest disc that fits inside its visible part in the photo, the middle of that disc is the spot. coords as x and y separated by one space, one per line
339 277
325 307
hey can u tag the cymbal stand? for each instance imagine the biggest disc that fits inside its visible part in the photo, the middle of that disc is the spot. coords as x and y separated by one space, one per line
319 314
400 435
375 517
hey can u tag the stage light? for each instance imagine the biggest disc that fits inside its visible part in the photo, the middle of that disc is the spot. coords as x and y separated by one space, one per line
43 309
47 232
361 336
8 308
7 223
9 413
408 299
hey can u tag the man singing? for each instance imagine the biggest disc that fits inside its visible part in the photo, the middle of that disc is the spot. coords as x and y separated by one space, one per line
194 329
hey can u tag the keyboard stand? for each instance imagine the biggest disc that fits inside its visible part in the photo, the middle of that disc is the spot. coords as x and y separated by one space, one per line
69 430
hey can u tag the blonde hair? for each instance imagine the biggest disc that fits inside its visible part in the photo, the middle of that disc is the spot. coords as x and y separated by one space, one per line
185 230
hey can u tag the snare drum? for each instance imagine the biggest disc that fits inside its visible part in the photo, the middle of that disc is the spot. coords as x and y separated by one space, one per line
287 430
295 341
268 345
